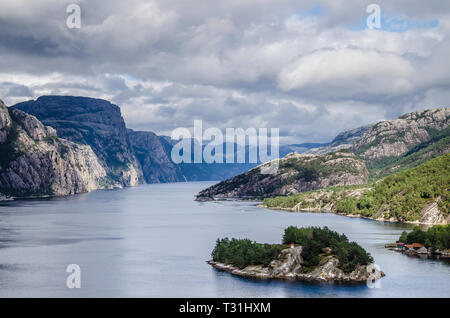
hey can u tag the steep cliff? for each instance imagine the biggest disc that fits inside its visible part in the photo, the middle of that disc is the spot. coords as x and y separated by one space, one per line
93 122
296 173
153 153
35 162
393 138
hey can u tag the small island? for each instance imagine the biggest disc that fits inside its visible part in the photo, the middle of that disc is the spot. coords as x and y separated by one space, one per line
306 254
432 243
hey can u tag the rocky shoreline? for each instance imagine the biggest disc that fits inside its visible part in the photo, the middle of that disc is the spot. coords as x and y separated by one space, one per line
288 267
5 198
391 220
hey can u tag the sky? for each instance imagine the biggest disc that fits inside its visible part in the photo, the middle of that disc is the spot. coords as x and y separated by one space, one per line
310 68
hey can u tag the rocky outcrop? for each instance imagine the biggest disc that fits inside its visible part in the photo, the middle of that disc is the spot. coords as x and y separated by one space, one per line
288 266
323 200
93 122
345 140
393 138
35 162
296 173
5 122
431 214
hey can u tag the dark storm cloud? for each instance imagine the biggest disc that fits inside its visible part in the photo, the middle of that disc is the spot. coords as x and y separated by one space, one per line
301 66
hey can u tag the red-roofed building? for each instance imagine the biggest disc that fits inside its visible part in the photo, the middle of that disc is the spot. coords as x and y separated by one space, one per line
417 245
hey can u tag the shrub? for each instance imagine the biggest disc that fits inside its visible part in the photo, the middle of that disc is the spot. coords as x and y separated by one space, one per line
243 252
347 205
315 239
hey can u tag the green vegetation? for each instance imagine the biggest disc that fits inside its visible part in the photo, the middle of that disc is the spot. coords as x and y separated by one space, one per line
404 194
8 149
50 138
316 240
243 252
306 200
435 238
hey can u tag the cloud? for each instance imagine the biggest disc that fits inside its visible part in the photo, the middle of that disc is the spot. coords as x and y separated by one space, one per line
301 66
366 72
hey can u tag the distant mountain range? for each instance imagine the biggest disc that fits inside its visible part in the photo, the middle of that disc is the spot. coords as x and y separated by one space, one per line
58 145
353 158
125 157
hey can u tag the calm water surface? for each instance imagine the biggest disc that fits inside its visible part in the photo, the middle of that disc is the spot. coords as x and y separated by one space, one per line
153 241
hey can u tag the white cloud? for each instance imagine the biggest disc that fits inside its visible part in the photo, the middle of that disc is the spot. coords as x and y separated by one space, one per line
360 71
231 63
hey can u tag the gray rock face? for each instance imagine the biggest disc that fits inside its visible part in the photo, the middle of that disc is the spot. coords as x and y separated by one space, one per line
93 122
345 140
288 266
395 137
153 152
35 162
5 121
129 157
432 215
296 173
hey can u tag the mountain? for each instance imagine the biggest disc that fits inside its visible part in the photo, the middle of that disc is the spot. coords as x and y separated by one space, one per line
438 145
392 138
93 122
128 156
296 173
417 194
385 148
344 140
153 153
35 162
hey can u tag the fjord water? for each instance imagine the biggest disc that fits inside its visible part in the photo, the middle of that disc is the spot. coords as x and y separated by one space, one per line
153 241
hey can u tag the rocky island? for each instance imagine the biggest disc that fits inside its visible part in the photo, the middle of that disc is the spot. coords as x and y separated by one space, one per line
318 255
